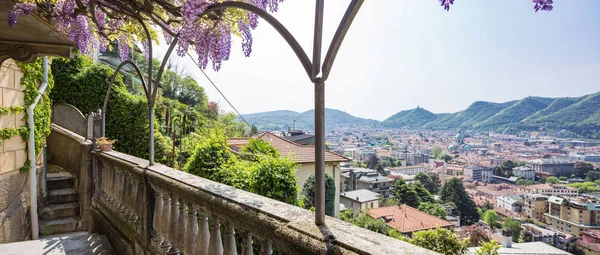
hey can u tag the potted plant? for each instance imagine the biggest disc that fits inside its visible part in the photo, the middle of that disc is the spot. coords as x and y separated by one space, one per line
105 144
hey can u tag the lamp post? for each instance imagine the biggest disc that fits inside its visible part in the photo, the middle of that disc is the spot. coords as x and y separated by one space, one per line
316 72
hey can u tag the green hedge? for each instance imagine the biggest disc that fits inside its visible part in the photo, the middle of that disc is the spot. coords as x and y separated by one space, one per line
83 84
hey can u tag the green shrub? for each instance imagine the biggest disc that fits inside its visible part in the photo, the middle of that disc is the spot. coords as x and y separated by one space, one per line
308 192
83 84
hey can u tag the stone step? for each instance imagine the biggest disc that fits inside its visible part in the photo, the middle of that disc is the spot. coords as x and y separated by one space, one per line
57 226
55 211
65 195
59 180
62 244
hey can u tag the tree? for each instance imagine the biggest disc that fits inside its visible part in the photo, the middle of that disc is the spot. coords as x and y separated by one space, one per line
436 210
497 171
552 180
488 248
476 234
308 191
275 177
405 194
593 175
372 162
487 205
491 218
582 168
440 240
454 191
515 226
436 151
521 182
253 130
388 202
208 157
446 158
526 236
423 194
563 178
431 181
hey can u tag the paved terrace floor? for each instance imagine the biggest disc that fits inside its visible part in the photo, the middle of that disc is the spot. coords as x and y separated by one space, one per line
70 243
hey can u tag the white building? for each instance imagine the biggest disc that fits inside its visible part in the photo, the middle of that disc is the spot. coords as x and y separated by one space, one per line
510 202
524 172
359 200
407 170
478 173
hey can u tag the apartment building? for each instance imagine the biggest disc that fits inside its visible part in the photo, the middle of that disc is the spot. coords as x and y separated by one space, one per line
358 200
478 173
573 216
534 206
556 166
362 178
524 172
549 190
510 202
407 170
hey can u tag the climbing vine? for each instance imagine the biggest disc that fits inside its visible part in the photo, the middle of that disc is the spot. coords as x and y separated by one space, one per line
33 77
7 133
11 109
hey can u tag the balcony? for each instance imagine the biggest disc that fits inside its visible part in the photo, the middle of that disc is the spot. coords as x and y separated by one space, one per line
145 209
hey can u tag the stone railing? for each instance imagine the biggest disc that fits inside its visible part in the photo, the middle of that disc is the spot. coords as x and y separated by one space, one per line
158 210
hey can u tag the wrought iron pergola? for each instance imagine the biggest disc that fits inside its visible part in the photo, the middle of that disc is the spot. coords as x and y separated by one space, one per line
317 71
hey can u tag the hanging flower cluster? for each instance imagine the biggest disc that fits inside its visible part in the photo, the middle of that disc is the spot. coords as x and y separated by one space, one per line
92 24
544 5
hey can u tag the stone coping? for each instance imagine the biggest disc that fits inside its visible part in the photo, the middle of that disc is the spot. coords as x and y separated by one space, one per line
289 227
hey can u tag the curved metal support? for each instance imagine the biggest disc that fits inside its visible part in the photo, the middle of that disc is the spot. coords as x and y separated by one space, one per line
289 38
109 90
163 64
340 33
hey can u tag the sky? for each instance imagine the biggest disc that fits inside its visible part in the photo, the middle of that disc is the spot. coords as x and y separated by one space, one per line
400 54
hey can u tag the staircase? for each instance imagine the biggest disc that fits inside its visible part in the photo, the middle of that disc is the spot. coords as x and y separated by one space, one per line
61 215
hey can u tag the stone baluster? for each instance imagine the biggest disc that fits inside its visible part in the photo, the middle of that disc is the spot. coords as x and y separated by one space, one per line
173 231
181 226
109 184
165 221
191 235
247 244
125 192
266 247
136 198
215 247
115 186
202 245
157 218
119 189
229 247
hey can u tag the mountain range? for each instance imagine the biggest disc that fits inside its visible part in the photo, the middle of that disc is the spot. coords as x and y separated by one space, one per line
579 116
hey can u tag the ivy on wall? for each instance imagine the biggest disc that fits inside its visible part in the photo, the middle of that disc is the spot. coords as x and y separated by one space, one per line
33 77
12 109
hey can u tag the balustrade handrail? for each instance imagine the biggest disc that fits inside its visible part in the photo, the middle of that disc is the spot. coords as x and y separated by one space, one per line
168 210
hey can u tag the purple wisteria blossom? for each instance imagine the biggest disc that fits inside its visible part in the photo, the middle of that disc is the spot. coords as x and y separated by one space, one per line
19 9
544 5
123 47
446 4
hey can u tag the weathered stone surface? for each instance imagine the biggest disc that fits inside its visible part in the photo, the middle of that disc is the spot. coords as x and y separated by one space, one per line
13 97
7 120
14 143
64 244
14 207
62 225
56 211
65 195
8 161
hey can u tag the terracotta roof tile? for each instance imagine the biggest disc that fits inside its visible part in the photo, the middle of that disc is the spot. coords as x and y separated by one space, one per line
408 219
297 152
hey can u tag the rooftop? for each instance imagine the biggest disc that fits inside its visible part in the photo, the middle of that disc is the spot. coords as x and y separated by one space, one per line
299 153
361 195
407 219
548 161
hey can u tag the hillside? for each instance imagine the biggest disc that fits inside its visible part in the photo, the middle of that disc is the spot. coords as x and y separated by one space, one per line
578 116
282 119
414 118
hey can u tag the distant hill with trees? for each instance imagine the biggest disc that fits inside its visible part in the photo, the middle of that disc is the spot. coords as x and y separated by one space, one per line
578 116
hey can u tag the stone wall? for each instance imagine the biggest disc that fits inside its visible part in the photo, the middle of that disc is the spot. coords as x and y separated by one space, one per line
12 151
15 224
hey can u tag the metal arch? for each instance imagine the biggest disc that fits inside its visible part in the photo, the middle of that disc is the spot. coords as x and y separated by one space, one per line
109 90
289 38
340 33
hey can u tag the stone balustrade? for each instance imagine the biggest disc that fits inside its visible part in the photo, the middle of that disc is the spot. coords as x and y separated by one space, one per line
158 210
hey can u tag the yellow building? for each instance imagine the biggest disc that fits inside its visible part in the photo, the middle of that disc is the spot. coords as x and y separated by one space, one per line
534 206
573 216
